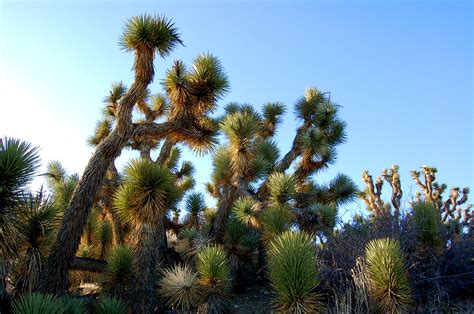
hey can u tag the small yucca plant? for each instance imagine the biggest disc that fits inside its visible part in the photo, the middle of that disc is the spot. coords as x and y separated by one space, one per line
107 305
36 303
179 287
214 278
426 218
119 271
292 271
388 279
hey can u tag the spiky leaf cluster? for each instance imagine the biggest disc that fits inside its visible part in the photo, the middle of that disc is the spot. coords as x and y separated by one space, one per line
118 276
281 188
213 276
179 287
293 272
147 192
426 218
246 211
387 274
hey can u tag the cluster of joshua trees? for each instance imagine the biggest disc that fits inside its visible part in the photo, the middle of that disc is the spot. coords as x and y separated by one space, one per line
151 242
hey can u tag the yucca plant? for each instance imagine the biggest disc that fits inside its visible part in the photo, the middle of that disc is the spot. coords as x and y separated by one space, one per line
19 162
74 306
37 303
426 218
179 287
105 237
388 278
107 305
118 276
293 273
38 223
213 278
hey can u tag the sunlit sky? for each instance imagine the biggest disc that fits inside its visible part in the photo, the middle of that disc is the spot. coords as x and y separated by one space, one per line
401 70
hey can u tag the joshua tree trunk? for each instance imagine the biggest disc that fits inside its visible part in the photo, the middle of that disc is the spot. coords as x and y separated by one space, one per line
54 278
143 294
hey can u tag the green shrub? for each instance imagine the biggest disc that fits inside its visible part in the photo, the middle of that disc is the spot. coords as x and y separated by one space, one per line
37 303
119 270
214 278
293 273
107 305
388 279
426 218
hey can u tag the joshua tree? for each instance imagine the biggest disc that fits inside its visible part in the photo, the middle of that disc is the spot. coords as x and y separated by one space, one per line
251 156
147 192
193 93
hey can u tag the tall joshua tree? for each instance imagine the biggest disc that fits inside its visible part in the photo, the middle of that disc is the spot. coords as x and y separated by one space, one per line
193 93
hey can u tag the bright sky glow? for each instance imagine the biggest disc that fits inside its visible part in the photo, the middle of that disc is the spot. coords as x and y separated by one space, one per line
401 70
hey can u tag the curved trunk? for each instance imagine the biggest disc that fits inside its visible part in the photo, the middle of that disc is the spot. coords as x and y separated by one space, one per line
54 278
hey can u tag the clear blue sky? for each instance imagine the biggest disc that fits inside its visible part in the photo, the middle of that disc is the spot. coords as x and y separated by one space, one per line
402 70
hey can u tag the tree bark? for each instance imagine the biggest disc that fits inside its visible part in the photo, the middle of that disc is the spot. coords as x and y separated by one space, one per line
54 277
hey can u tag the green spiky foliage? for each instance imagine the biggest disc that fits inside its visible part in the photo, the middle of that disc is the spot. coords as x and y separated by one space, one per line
241 128
388 278
426 218
105 237
340 190
272 113
143 199
61 184
213 277
102 130
239 243
194 206
19 162
39 219
118 276
74 306
275 220
317 218
193 93
36 303
281 188
293 272
107 305
146 34
179 287
246 210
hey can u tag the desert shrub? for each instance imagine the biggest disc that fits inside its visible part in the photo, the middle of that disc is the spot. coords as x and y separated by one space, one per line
107 305
292 271
179 287
36 303
213 277
387 275
119 271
